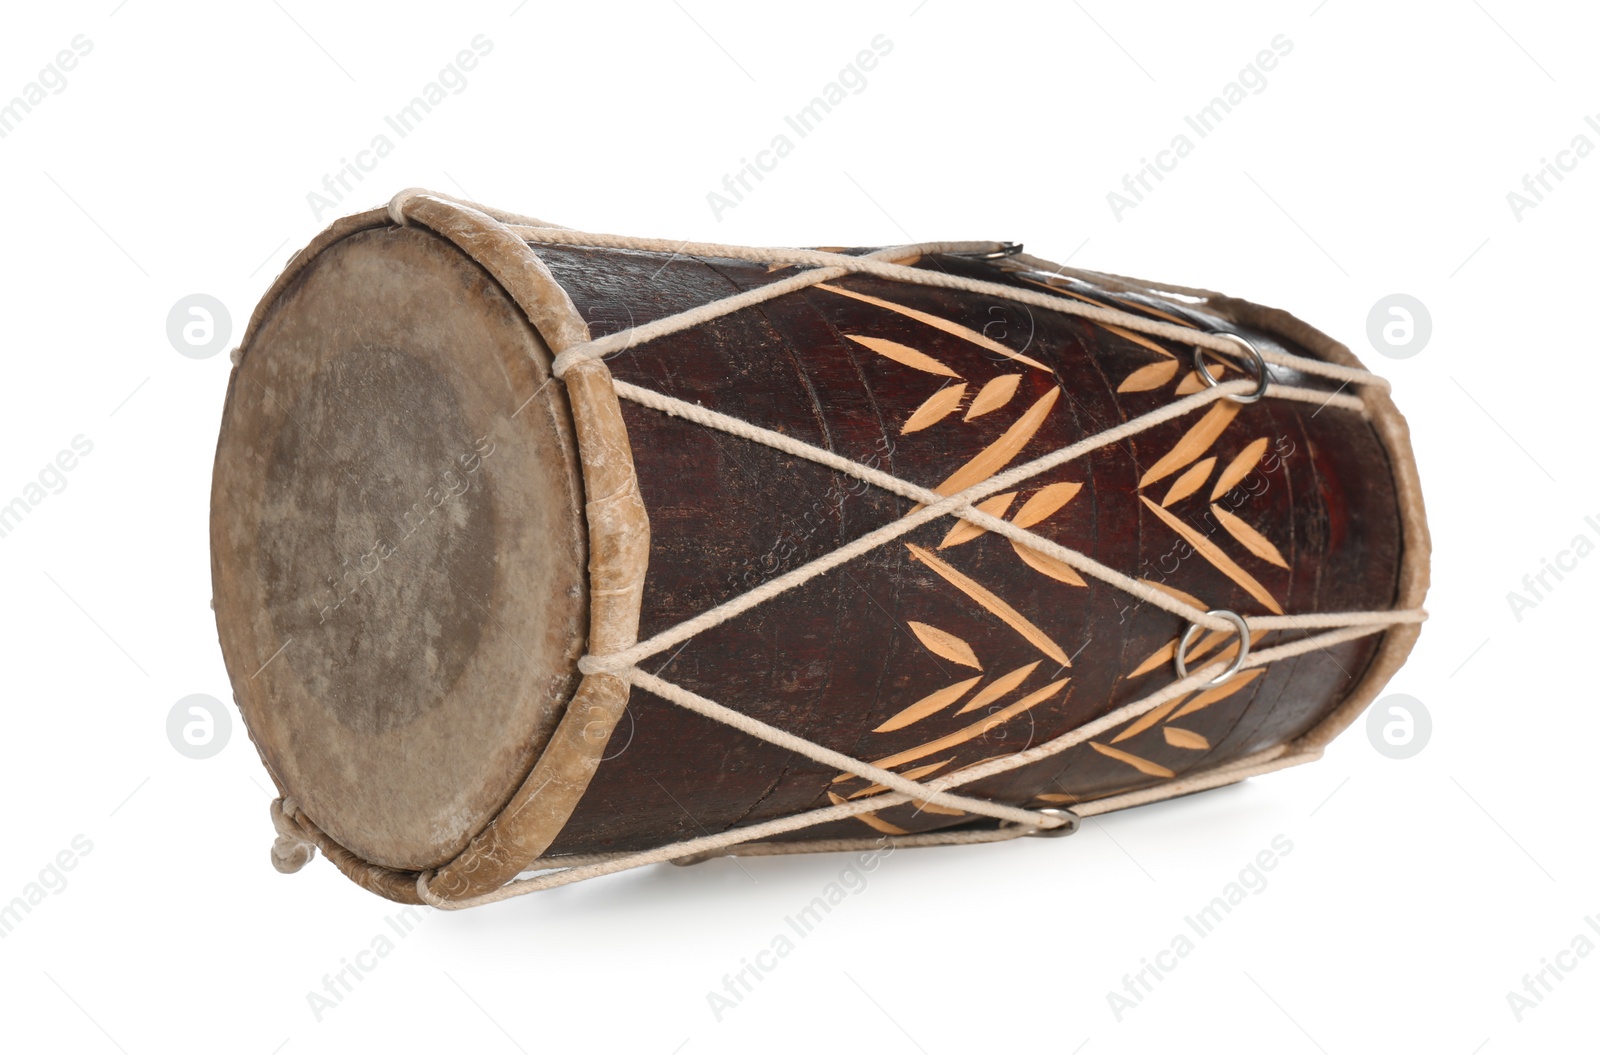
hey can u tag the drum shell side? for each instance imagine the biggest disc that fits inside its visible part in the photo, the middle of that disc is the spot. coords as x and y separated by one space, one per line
1335 492
836 658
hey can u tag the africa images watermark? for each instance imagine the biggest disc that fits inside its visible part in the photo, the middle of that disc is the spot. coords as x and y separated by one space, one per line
1399 726
51 80
1537 586
1252 879
52 879
452 80
1538 985
199 726
824 514
1252 80
1537 185
852 879
1254 485
52 480
454 486
353 969
852 80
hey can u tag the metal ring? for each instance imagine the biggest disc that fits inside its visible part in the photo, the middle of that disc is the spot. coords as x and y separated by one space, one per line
1006 249
1255 354
1070 824
1238 661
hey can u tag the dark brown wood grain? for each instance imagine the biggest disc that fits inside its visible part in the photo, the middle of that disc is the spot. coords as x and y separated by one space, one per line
834 659
418 530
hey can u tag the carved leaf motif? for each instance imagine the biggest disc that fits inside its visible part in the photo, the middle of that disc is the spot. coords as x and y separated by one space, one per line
1239 468
911 774
966 530
999 687
1147 719
1147 377
935 408
1249 537
953 328
993 395
1159 658
998 454
993 604
1190 481
1173 591
1058 570
904 355
1185 739
932 703
1192 382
1218 559
1193 443
1044 502
943 643
1221 692
1143 765
871 820
976 729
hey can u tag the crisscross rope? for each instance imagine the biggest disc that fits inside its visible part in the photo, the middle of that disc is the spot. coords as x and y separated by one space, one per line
597 865
823 266
880 263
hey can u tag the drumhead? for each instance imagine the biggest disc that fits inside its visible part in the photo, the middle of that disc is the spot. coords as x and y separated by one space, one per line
398 545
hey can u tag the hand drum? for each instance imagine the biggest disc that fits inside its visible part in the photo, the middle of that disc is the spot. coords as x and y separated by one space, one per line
544 551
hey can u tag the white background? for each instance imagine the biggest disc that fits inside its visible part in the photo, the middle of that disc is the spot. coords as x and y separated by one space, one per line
1377 160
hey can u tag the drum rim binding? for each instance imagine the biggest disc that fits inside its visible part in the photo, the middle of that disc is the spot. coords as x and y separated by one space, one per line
495 856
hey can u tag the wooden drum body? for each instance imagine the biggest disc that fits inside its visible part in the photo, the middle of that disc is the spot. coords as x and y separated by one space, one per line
419 531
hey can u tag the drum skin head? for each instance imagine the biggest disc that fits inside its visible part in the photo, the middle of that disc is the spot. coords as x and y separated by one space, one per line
398 545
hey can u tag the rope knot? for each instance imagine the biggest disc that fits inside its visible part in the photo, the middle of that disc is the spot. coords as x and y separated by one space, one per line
293 848
397 205
578 353
591 664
